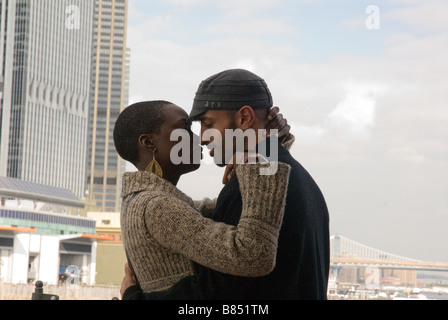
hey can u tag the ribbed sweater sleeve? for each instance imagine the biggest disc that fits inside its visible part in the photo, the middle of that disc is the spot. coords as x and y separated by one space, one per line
206 206
249 249
289 141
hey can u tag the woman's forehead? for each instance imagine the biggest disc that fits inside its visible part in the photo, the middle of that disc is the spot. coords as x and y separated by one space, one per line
172 109
175 115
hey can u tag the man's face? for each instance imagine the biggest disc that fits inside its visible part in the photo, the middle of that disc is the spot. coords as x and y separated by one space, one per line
219 121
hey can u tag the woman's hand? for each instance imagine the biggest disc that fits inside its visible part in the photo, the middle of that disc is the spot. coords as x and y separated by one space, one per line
278 122
238 159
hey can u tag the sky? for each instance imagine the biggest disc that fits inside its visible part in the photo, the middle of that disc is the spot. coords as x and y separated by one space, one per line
364 89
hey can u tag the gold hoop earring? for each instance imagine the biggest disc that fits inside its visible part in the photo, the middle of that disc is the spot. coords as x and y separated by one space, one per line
154 166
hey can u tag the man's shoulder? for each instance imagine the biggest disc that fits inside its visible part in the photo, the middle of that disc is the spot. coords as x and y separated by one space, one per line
231 186
285 156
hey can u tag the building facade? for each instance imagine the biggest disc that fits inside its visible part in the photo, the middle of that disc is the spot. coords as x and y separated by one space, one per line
45 73
378 277
42 234
111 256
109 95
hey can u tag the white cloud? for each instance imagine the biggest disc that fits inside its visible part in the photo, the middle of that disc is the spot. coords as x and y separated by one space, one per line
184 3
423 17
354 116
166 68
305 133
409 46
354 24
264 27
154 26
356 113
237 9
406 154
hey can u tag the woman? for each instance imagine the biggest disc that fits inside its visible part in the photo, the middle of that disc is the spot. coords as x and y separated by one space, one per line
164 232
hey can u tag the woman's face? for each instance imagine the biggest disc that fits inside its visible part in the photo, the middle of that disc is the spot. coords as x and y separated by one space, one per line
175 118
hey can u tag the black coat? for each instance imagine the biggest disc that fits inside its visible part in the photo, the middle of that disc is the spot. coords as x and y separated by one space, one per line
303 255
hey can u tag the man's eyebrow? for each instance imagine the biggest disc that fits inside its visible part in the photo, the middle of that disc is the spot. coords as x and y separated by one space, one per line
205 119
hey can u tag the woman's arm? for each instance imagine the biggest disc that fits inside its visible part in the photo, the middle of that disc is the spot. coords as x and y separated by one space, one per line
250 248
206 207
288 141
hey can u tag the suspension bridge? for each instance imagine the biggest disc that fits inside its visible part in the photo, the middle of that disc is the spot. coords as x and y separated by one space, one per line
346 253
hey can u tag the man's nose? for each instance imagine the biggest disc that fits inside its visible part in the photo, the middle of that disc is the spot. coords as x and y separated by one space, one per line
203 142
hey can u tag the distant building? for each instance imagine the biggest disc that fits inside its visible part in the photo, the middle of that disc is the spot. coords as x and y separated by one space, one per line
110 253
42 234
109 94
383 277
349 254
45 70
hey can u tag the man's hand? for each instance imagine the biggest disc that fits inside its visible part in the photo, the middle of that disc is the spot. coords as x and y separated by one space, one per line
128 280
276 121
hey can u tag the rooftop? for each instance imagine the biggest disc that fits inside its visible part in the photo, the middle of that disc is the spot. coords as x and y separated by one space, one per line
15 188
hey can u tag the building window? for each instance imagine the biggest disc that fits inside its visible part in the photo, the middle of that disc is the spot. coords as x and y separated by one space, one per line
98 180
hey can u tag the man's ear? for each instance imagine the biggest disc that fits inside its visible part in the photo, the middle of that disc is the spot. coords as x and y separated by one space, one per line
245 117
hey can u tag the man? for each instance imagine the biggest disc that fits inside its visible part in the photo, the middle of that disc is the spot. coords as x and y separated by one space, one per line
239 99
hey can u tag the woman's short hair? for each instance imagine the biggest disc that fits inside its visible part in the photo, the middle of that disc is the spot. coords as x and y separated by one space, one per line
137 119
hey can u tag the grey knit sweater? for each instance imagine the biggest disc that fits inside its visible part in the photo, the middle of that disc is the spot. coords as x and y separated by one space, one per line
164 231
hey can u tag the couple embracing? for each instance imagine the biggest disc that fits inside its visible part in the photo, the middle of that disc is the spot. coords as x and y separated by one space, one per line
266 236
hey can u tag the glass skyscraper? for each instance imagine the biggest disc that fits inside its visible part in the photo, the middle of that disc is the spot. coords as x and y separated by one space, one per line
64 79
45 72
109 94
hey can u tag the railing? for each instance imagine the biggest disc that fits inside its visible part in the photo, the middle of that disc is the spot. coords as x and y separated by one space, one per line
409 265
40 295
9 291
